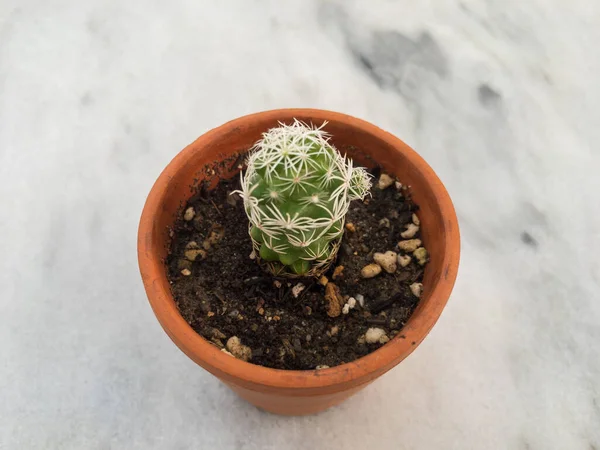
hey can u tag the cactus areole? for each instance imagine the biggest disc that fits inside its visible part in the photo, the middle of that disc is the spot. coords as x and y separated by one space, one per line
297 189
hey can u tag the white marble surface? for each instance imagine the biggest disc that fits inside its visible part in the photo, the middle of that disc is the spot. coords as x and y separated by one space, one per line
501 97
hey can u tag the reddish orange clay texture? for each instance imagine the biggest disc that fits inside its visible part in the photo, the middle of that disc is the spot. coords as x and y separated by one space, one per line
299 392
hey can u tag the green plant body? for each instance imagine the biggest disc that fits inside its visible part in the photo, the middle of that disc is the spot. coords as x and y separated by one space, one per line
297 189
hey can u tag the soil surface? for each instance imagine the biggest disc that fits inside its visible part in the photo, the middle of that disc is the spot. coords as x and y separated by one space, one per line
224 293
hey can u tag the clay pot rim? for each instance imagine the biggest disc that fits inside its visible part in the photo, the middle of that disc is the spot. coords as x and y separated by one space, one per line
356 372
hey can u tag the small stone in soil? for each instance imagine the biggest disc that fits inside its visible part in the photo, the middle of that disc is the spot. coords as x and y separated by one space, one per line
184 264
193 254
297 289
360 299
421 255
376 335
218 334
409 245
386 260
323 280
416 220
385 181
350 227
384 223
416 289
334 300
197 222
186 272
404 260
350 304
322 366
216 235
370 270
337 272
334 330
410 232
297 344
239 350
189 214
398 185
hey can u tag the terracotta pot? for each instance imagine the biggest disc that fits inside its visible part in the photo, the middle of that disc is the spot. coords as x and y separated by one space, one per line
310 391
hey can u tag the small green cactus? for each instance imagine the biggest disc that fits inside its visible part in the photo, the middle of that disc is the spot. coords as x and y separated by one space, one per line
297 189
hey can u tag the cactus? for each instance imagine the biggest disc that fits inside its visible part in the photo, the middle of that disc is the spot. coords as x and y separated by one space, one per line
297 189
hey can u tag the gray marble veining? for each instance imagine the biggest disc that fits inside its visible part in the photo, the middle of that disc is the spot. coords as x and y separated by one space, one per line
501 98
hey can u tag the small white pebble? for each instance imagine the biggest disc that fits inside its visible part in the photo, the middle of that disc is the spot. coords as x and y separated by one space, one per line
189 214
227 352
404 260
411 230
360 299
322 366
385 181
186 272
350 304
193 253
370 271
416 220
409 246
398 185
237 349
277 284
386 260
334 330
297 289
252 255
421 255
416 289
385 222
374 335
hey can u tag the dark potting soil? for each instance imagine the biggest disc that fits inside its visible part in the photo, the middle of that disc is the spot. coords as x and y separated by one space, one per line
223 293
